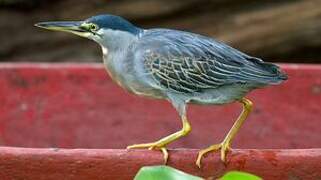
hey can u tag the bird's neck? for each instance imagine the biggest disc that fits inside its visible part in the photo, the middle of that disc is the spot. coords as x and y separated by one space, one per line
116 47
116 41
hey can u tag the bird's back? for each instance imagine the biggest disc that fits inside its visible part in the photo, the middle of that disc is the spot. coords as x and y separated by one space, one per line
186 62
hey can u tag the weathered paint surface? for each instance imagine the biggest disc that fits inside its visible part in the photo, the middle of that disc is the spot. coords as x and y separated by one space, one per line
84 164
77 106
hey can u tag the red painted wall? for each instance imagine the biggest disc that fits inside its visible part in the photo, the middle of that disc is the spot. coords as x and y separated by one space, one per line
78 106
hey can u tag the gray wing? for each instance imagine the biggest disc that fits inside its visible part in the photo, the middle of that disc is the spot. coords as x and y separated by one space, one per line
186 62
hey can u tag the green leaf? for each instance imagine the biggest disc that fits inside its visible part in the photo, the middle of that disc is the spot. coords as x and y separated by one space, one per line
237 175
163 173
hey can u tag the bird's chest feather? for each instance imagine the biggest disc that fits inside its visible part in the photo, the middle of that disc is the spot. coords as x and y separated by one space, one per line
117 69
122 70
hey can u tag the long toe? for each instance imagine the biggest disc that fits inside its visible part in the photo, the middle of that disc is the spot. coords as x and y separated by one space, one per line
151 146
142 146
224 150
203 152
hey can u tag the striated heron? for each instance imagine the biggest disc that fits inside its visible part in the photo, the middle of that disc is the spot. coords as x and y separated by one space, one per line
179 66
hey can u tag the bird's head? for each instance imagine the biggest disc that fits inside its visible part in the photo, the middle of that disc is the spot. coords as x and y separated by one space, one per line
107 30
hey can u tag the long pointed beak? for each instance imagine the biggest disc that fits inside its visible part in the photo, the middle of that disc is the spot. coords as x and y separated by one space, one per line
66 26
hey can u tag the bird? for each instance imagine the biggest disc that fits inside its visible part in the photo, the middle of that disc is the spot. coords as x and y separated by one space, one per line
178 66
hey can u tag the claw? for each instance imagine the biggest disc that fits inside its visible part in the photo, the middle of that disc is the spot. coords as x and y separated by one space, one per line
152 146
224 147
165 154
161 144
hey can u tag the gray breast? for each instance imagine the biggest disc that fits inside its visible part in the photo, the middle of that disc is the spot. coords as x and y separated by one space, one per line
126 73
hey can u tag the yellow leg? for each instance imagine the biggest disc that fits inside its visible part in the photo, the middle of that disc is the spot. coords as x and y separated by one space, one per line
225 145
161 144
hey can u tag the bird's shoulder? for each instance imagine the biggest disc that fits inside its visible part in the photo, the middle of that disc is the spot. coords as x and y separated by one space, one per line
188 44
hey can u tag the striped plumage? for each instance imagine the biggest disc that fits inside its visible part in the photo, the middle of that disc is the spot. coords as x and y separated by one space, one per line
186 62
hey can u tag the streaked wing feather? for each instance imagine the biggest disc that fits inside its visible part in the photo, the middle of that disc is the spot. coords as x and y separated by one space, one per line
186 62
184 74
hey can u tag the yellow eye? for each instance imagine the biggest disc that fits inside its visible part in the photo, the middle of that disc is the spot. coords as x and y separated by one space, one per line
93 27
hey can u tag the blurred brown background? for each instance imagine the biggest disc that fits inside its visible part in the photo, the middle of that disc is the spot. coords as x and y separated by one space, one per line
283 31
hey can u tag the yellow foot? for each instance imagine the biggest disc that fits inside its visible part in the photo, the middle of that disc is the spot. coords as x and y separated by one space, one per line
224 147
152 146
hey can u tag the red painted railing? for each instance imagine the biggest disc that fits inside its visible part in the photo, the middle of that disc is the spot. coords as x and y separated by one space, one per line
77 106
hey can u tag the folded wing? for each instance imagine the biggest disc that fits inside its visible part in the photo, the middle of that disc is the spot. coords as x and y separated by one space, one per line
186 62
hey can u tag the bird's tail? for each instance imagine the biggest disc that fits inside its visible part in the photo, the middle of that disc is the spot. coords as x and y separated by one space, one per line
266 73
